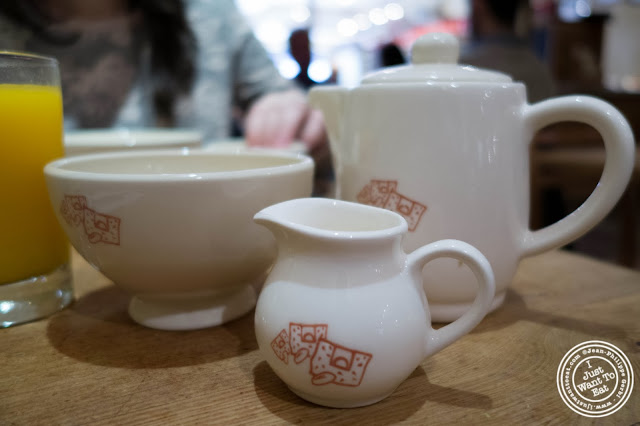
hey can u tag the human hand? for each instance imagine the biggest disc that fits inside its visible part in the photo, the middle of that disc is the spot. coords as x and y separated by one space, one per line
278 118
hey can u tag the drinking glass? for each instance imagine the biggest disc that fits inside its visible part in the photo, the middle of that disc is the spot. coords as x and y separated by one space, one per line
35 279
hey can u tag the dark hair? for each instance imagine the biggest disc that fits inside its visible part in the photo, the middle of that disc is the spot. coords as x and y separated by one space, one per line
300 47
173 51
505 11
173 44
390 54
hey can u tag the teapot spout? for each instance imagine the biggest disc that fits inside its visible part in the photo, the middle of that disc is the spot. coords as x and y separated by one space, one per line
330 100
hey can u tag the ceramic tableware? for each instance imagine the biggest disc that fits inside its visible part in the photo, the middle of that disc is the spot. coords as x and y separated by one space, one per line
240 144
90 141
342 318
174 228
447 147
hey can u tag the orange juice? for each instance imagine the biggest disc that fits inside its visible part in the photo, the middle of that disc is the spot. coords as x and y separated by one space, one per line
31 240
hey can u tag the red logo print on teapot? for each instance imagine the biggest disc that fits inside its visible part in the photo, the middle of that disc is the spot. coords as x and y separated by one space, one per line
329 361
99 227
383 193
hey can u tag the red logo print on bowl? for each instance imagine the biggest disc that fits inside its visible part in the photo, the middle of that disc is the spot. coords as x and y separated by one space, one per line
99 227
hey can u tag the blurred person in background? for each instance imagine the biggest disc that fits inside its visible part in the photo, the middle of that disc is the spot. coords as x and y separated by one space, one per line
496 42
390 54
300 50
162 63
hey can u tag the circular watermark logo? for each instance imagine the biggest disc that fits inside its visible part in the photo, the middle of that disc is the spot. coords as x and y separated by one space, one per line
595 379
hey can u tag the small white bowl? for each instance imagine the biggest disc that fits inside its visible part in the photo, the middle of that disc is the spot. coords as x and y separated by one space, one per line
78 142
239 144
174 228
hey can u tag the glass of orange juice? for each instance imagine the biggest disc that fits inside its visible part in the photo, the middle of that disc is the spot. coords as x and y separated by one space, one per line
35 280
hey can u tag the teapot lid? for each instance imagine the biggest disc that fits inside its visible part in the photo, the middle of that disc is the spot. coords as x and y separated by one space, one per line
434 57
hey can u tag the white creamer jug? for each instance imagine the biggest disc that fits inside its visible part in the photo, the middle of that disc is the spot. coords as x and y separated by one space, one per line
342 318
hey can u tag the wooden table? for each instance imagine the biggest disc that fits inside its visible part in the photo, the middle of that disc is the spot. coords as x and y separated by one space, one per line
91 365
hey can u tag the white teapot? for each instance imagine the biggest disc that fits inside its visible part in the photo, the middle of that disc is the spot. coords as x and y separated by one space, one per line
447 147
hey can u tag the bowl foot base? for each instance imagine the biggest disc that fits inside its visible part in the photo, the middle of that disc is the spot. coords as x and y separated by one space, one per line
192 313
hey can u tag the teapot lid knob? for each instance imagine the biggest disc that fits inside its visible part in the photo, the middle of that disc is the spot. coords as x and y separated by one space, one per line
441 48
435 59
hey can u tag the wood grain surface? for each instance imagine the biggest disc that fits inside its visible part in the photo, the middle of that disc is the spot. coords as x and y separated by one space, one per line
91 365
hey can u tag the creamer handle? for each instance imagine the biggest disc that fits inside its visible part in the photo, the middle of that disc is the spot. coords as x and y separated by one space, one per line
618 166
469 255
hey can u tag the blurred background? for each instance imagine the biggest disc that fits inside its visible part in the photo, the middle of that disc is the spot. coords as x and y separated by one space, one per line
345 35
588 46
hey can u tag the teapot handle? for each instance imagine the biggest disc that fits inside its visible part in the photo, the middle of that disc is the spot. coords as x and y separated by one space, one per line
436 340
618 166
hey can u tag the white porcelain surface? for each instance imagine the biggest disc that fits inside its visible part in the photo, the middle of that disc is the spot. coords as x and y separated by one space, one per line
174 228
453 158
239 144
77 142
434 58
342 318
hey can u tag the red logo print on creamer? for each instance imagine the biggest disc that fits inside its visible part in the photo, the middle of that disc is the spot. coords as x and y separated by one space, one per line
383 193
100 228
281 347
304 339
333 363
329 361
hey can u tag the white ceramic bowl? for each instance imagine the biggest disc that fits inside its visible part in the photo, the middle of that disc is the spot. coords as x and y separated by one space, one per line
239 144
78 142
175 228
